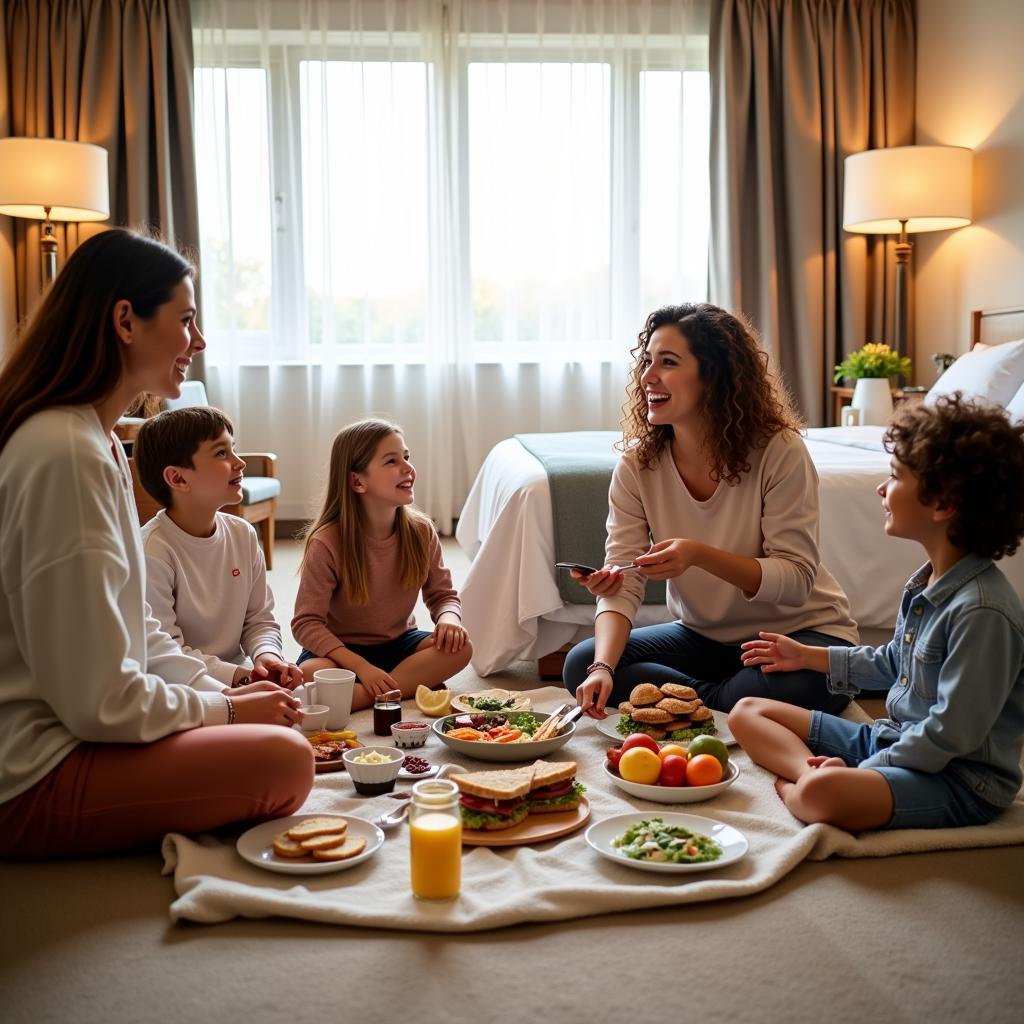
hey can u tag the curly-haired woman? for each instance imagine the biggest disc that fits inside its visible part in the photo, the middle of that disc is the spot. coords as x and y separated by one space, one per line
715 493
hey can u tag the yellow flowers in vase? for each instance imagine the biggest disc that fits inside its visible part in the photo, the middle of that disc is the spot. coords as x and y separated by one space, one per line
873 360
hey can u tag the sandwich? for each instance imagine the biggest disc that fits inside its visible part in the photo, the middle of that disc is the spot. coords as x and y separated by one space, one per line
668 712
554 787
491 801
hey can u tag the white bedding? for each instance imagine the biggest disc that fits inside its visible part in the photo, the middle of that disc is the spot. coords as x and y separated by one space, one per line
511 603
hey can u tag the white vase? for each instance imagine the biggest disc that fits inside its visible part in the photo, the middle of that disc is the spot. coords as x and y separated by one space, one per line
873 396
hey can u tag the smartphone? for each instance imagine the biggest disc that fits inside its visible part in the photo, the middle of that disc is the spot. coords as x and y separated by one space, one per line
583 570
586 570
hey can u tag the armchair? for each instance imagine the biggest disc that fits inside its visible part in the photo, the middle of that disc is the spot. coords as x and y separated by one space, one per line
260 486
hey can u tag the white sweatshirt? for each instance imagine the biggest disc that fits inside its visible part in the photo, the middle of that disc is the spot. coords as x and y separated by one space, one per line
81 657
770 515
211 593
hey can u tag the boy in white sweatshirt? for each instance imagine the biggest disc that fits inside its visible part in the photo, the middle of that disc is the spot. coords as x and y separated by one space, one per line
206 578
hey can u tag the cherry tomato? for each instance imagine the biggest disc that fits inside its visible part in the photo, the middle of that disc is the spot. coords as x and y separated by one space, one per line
640 739
673 771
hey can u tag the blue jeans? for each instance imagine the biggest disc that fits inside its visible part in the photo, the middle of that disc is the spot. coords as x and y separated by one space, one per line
674 653
920 799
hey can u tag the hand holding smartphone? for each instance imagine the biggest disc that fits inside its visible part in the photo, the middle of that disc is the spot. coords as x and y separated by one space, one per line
586 570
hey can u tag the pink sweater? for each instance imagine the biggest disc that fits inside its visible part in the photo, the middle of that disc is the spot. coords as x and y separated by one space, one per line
324 616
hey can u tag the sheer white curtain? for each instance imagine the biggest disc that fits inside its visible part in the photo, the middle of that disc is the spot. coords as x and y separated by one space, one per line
454 215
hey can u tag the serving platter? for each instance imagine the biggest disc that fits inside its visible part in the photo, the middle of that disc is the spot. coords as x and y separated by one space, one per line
608 727
482 750
535 828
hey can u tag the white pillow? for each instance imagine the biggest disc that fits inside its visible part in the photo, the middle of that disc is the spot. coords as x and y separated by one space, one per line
993 374
1015 406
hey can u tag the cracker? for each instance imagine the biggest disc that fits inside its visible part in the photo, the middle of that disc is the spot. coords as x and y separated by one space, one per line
322 842
351 847
285 847
319 826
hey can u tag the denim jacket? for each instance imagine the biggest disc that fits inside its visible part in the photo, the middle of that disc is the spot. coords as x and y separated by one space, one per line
956 670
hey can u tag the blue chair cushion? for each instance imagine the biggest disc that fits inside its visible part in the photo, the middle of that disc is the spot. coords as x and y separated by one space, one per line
259 488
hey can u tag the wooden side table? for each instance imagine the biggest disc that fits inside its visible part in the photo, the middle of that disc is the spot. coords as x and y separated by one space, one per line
842 396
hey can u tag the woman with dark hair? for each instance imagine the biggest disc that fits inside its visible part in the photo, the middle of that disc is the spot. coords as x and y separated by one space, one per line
716 494
100 712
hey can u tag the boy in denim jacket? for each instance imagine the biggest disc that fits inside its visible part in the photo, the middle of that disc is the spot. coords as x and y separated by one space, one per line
949 752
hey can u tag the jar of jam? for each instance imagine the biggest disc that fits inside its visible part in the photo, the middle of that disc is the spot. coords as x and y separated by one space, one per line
387 710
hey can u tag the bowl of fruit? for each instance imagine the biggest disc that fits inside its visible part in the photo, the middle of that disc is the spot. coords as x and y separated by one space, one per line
671 773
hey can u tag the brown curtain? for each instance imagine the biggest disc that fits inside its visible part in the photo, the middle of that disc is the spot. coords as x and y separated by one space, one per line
117 73
796 86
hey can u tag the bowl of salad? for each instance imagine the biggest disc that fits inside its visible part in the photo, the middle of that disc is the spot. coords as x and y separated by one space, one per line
500 735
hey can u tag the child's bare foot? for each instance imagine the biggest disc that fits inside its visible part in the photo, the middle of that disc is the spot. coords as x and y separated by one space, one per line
784 787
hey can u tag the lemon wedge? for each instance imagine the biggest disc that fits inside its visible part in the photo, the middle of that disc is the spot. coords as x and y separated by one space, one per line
434 703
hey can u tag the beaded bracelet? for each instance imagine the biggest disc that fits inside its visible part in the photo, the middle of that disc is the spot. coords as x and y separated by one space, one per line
231 709
600 664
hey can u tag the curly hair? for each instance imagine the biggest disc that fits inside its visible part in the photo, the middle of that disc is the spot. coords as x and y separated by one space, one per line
744 403
966 456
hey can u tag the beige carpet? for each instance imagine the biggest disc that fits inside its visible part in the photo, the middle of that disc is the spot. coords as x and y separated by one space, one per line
931 937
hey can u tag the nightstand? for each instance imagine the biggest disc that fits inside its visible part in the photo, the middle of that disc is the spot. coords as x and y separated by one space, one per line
842 396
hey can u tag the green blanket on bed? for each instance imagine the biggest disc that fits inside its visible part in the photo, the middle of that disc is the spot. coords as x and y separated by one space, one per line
579 466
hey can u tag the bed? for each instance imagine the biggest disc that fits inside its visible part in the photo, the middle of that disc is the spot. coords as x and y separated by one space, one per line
512 605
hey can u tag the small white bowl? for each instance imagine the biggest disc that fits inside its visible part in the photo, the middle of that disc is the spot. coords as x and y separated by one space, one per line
314 717
373 779
675 794
410 734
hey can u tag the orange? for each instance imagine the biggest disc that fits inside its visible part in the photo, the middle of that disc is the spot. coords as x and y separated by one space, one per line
703 770
672 748
641 765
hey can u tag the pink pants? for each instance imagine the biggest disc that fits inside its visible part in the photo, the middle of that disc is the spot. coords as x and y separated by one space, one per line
105 797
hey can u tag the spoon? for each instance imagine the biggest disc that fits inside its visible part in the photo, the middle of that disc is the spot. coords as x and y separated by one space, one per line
392 819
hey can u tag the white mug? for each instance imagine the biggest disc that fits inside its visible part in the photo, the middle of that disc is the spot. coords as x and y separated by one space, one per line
333 687
850 416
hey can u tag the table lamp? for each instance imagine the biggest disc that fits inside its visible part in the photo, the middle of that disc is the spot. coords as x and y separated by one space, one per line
906 189
52 179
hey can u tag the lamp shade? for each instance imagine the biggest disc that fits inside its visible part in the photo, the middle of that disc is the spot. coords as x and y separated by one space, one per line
929 187
68 177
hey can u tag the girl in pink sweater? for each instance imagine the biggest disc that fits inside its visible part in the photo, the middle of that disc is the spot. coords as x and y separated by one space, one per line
368 555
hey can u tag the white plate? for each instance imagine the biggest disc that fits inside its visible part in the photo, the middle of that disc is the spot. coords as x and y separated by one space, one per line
600 835
255 846
403 774
675 794
607 726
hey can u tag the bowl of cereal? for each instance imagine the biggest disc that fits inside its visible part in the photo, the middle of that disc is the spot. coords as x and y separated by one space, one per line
373 770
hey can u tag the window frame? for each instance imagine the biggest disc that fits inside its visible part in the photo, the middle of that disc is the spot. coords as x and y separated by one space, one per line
286 340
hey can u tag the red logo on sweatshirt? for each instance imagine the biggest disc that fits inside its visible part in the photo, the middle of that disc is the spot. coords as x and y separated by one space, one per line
236 572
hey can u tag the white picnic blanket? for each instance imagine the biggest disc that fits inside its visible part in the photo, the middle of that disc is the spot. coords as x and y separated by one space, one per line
556 880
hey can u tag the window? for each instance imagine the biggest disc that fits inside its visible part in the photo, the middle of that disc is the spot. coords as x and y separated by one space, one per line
362 203
235 218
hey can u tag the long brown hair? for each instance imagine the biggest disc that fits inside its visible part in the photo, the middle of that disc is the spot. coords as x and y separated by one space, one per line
352 450
743 403
70 353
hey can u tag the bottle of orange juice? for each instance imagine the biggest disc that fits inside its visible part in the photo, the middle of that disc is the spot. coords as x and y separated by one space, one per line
435 840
